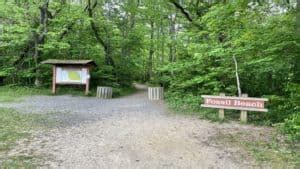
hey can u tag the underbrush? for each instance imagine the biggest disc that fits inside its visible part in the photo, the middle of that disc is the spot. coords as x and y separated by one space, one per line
124 91
291 128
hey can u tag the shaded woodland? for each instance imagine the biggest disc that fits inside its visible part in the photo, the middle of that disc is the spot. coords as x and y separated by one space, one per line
185 46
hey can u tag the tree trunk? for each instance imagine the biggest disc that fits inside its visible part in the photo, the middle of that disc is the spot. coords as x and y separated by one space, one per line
172 33
44 15
38 38
151 52
163 41
37 81
105 45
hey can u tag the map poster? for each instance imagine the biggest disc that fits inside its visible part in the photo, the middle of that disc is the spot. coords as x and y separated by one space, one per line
71 75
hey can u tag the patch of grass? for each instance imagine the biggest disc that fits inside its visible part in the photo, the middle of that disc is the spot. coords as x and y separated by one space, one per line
271 153
73 90
19 162
15 93
15 126
80 91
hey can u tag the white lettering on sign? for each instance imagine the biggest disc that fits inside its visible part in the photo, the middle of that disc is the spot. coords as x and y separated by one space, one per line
237 103
219 102
257 104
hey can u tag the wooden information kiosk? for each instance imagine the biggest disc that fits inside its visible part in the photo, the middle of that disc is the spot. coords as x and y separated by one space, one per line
71 72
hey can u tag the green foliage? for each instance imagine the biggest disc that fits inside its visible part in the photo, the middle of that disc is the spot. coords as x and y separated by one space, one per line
156 43
69 36
188 104
266 54
119 92
291 127
19 162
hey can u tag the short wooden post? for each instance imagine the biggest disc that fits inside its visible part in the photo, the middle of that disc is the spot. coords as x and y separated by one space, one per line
54 80
244 112
221 111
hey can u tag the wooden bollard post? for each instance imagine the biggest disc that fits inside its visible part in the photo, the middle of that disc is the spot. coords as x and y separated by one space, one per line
221 111
244 112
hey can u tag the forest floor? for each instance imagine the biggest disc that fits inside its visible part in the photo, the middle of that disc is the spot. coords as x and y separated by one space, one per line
132 132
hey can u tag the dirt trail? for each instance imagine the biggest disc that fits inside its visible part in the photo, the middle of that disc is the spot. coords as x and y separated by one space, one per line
127 132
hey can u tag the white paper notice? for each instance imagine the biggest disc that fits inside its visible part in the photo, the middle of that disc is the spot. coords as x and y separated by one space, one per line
71 75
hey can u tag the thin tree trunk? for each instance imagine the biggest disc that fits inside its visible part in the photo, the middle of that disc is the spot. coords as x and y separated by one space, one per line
36 62
151 51
237 77
105 45
297 59
172 33
163 41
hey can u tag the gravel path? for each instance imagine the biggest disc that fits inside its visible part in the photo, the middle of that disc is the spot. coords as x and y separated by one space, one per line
128 132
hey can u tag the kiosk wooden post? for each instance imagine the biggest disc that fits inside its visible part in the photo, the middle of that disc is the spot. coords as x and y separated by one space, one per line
54 80
87 85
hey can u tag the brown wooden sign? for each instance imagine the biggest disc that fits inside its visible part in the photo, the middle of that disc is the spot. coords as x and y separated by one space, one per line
235 103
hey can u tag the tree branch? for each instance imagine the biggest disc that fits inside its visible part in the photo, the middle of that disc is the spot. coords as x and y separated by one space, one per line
182 10
66 30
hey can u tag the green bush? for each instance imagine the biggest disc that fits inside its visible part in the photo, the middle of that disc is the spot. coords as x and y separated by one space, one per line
291 127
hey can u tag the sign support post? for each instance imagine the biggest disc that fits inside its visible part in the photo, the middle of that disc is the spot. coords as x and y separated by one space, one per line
244 112
221 111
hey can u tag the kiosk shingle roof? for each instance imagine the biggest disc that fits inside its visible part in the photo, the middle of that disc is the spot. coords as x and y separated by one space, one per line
69 62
